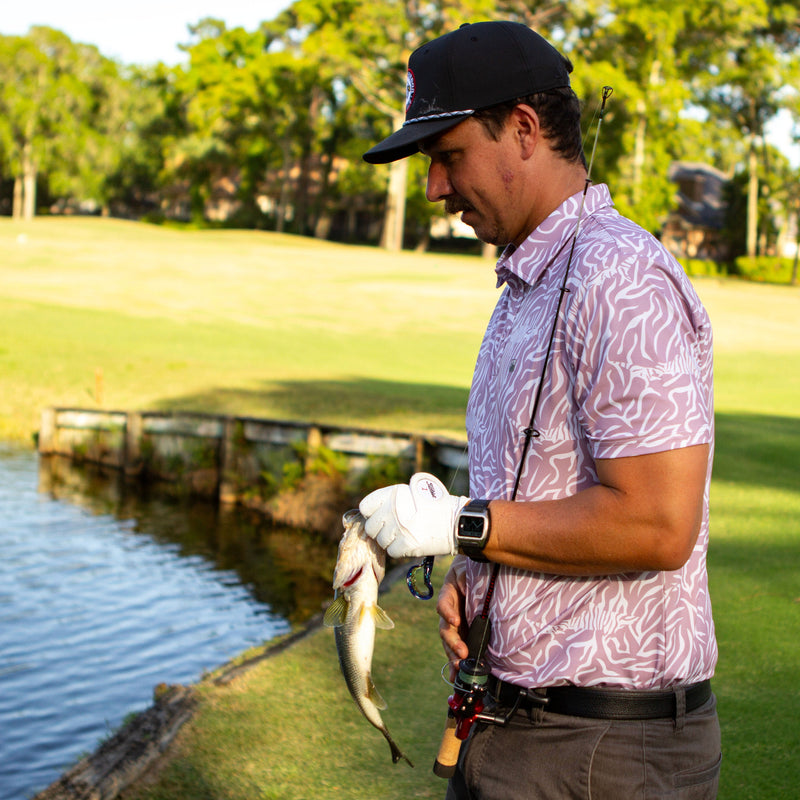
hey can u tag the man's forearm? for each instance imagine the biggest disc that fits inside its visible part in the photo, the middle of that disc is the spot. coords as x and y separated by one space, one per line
644 515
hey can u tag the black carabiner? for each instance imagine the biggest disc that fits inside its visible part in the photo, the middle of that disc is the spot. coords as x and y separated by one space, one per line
411 579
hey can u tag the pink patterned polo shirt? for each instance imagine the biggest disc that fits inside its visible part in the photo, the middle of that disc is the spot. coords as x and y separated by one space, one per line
630 373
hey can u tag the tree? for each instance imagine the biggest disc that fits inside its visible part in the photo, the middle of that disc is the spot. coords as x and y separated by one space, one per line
366 46
253 110
633 45
47 105
61 113
746 78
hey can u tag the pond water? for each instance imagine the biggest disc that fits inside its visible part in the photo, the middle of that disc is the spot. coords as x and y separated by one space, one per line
104 594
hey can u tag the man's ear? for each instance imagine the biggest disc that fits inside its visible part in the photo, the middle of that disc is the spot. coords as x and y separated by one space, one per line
525 122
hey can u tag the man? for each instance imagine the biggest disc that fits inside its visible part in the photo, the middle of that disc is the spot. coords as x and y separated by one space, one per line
590 455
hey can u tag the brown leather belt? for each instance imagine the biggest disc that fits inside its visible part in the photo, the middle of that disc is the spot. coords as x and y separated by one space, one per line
577 701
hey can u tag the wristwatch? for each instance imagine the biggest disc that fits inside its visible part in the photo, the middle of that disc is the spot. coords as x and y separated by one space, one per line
472 529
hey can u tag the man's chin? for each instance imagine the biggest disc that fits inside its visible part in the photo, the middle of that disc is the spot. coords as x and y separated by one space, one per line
486 234
473 219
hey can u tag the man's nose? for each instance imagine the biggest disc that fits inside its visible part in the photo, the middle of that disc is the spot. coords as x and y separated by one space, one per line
439 185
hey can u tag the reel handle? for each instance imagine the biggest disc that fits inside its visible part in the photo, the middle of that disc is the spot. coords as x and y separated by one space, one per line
450 747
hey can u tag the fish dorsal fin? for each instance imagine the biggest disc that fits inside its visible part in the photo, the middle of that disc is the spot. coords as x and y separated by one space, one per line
336 613
382 619
375 695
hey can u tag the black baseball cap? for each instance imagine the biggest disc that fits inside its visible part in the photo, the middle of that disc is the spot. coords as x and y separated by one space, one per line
475 67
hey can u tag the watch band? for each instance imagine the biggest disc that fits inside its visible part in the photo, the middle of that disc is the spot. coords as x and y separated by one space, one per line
472 529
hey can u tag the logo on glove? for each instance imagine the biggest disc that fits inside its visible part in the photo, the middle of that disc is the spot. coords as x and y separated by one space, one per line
431 488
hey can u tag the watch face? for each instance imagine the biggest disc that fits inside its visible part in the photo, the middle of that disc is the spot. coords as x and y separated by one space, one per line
471 525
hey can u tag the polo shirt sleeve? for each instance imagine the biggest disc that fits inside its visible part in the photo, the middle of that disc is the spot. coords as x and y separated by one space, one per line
641 385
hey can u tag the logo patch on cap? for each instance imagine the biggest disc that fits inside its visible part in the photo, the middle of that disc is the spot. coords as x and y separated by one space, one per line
410 89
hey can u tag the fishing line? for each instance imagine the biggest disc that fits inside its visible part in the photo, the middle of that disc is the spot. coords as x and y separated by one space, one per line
479 639
479 632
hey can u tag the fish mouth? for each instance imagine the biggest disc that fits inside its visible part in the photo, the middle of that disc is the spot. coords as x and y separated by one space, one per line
349 517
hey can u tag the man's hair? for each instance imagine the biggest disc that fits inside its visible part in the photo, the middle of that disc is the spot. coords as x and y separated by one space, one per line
559 112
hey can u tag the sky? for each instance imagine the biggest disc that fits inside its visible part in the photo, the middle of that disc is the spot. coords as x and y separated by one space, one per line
147 31
136 31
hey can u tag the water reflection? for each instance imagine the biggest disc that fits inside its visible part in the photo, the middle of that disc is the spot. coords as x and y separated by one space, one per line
105 593
287 569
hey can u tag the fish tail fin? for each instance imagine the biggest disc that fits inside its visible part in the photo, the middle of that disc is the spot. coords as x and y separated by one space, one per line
374 695
382 619
336 612
397 753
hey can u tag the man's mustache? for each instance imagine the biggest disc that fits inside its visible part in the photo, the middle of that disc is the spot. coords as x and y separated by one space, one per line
455 205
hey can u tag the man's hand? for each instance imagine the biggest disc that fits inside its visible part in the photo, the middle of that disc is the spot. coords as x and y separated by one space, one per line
451 608
418 519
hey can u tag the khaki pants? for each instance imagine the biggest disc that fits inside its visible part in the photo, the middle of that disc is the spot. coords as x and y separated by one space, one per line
545 756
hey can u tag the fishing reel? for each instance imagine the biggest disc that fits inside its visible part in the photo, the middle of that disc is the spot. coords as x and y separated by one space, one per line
466 702
464 707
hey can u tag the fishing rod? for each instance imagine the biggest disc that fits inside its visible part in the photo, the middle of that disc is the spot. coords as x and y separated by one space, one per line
466 705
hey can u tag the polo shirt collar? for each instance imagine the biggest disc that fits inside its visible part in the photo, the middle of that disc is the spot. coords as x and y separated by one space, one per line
530 260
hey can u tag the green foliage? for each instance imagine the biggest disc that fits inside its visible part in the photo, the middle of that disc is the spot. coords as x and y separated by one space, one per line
293 474
703 268
62 113
266 128
765 268
381 471
288 474
327 462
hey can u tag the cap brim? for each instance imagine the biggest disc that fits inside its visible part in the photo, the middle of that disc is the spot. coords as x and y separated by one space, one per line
405 142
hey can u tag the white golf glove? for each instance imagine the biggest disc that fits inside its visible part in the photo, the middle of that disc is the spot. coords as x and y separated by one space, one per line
418 519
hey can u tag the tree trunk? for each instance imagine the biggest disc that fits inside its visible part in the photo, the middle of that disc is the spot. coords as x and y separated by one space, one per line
489 251
394 217
16 209
752 199
29 196
640 137
283 199
639 150
28 183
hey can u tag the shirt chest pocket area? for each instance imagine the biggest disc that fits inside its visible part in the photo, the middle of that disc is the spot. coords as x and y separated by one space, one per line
516 381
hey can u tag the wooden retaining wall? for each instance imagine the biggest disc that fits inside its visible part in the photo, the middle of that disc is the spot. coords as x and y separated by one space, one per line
242 459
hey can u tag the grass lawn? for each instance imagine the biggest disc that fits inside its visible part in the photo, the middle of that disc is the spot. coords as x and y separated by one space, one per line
232 321
122 315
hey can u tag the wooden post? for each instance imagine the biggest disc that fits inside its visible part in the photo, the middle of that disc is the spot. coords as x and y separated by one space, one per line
48 432
419 454
132 457
227 463
313 442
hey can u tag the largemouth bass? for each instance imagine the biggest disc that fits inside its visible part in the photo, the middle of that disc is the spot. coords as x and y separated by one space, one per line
354 615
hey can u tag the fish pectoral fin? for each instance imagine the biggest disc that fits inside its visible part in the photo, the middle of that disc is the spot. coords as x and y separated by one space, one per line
375 695
336 612
382 619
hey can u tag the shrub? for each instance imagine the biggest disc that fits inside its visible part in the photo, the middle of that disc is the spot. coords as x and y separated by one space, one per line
698 267
770 269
